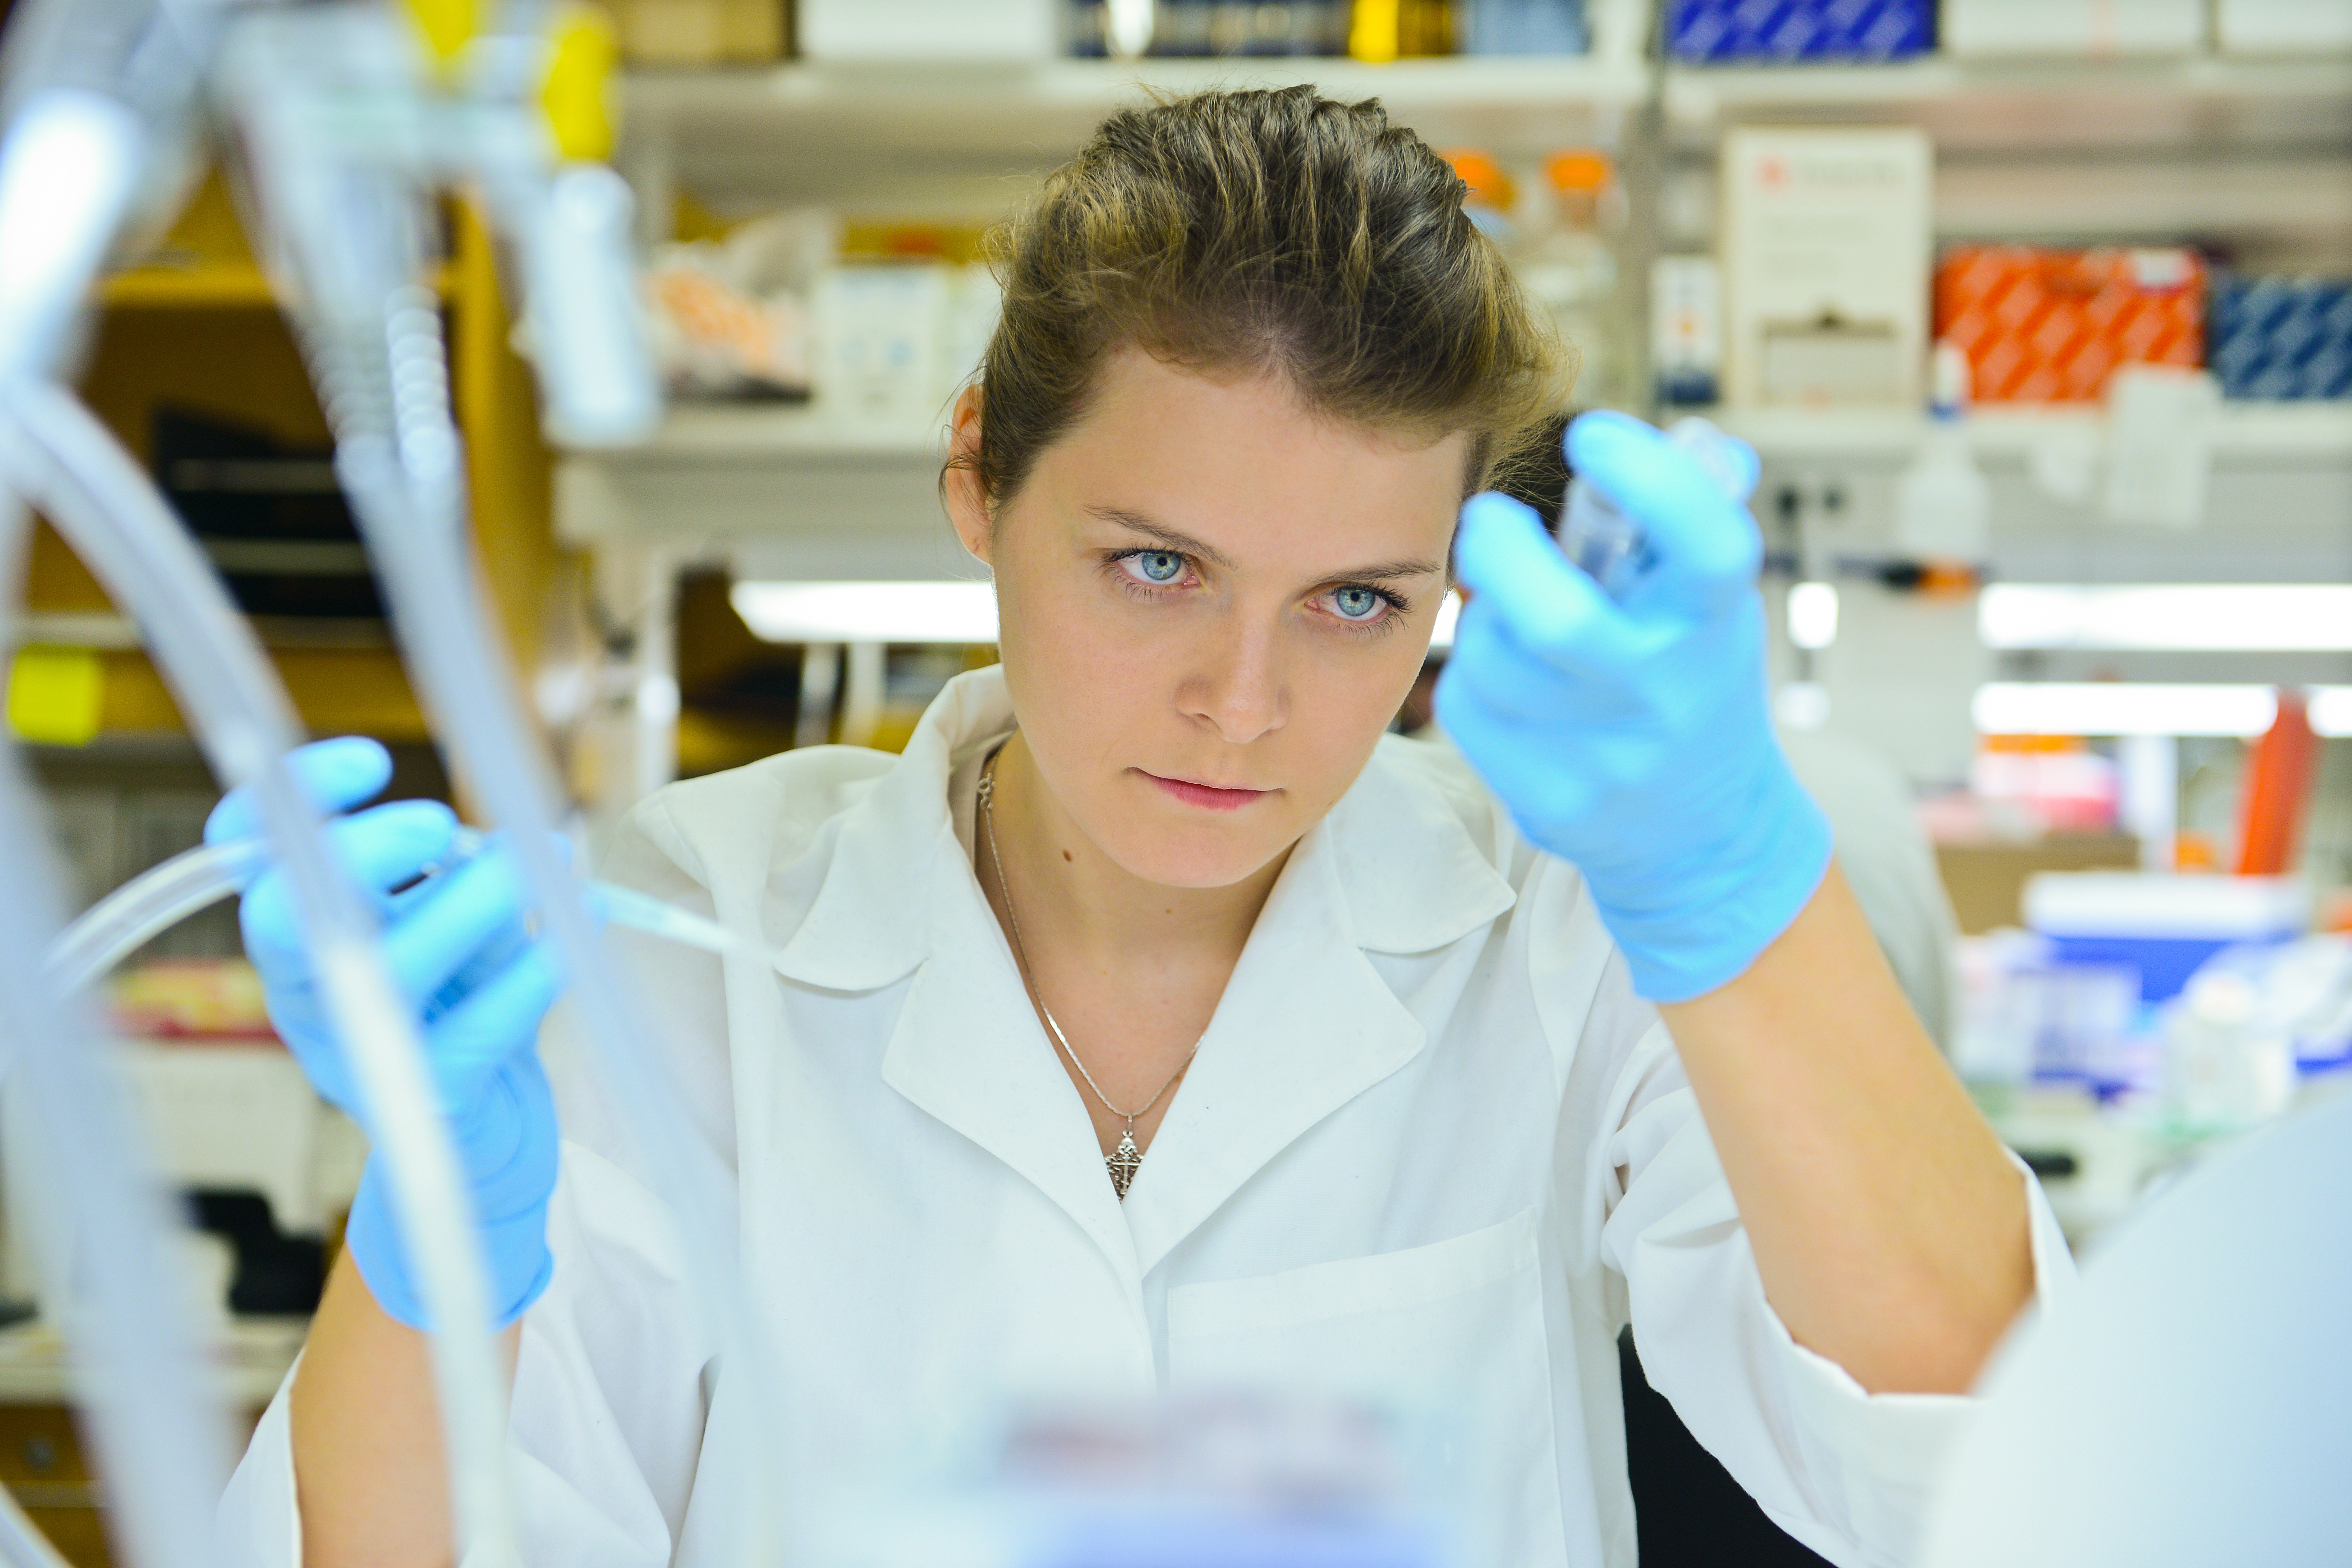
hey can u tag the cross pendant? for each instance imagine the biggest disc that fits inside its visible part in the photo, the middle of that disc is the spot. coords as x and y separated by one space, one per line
1123 1161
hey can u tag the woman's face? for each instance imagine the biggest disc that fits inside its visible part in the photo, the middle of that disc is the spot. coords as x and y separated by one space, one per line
1213 601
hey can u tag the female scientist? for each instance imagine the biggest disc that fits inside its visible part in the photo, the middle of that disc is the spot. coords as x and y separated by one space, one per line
1154 1021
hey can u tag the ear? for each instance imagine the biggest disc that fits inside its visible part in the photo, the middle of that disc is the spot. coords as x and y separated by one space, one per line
959 486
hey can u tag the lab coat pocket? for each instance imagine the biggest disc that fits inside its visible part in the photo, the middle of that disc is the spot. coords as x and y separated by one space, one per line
1449 1335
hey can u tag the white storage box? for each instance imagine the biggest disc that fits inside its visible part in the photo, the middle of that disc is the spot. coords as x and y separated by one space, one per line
1979 28
2281 26
1826 244
958 30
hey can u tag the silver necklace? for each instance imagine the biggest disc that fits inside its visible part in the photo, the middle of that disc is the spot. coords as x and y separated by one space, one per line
1127 1159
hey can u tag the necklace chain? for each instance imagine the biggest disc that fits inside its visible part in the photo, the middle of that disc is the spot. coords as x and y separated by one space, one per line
1123 1161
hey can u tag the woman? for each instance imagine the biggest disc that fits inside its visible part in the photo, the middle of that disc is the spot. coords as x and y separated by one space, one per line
1153 1021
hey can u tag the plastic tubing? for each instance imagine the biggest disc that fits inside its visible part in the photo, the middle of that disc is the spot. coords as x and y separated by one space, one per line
66 463
398 454
161 1435
163 896
22 1544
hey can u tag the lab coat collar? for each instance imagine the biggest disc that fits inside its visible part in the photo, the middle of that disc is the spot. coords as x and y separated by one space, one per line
1406 867
1305 1025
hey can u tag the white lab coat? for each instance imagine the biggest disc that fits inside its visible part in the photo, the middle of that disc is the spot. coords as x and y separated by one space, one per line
1432 1148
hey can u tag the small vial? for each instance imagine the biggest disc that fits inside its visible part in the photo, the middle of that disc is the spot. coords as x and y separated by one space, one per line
1611 547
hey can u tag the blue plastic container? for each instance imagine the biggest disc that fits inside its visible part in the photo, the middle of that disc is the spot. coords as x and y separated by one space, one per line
1788 32
2164 926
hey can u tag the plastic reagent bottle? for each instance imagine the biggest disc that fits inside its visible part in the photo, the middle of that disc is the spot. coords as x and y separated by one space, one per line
1943 507
1611 547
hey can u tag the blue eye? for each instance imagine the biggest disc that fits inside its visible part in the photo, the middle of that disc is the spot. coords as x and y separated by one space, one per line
1356 603
1159 565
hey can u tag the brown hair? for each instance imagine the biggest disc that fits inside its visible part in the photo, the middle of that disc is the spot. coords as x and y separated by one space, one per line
1262 231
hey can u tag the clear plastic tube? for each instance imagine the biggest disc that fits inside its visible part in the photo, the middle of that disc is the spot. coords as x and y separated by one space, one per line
104 1229
163 896
1613 549
22 1544
406 492
66 463
343 226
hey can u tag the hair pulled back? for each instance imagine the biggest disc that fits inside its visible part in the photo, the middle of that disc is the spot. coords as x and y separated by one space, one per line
1257 232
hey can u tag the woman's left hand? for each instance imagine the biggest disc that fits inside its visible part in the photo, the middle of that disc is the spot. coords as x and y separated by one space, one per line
1634 739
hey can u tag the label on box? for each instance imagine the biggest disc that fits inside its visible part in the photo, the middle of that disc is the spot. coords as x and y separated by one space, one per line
1825 253
2051 326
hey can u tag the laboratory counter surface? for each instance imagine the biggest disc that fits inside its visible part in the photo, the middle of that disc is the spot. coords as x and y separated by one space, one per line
250 1359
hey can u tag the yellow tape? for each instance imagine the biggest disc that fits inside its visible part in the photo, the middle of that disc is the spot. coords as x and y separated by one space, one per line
446 26
57 696
577 95
1372 28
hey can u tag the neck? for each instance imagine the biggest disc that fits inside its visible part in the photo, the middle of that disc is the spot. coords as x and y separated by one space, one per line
1076 897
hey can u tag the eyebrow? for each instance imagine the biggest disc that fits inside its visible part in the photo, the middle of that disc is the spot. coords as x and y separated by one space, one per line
1186 544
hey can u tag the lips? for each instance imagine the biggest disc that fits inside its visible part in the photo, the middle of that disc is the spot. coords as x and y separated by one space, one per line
1209 797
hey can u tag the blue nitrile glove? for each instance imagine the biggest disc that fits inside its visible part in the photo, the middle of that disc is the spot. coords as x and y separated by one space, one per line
1633 739
456 946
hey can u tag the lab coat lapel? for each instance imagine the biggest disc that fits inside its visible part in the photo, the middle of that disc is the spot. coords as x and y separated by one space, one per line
1307 1024
968 1049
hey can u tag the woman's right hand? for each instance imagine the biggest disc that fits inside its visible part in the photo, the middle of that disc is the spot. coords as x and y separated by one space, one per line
457 949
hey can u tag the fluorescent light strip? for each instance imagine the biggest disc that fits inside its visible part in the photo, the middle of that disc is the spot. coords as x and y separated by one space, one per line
907 612
2123 708
867 611
2209 618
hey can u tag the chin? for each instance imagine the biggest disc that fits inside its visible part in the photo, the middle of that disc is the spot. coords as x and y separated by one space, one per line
1192 855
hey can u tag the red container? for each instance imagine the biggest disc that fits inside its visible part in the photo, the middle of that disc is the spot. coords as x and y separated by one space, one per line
2048 326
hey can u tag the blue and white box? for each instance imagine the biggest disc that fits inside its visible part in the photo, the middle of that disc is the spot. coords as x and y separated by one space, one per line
2288 337
2161 925
1787 32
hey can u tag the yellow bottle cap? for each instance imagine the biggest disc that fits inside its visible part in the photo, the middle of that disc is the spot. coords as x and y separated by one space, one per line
577 94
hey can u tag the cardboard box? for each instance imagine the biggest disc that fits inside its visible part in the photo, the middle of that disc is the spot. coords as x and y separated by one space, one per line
701 32
1986 881
1825 250
2049 326
1726 32
2281 337
2075 27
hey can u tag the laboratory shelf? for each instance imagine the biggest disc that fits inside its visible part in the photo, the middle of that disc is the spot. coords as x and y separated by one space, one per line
2294 433
2203 104
845 500
731 127
810 495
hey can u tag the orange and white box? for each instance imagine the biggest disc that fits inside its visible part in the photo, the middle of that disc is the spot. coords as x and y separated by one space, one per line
2051 326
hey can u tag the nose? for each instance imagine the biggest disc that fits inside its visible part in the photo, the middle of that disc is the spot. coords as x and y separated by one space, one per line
1237 686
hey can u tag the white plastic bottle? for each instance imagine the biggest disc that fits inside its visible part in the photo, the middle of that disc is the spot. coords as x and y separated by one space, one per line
1570 267
1943 507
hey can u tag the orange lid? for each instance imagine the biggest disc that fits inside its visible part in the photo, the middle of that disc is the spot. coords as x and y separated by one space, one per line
1484 176
1579 169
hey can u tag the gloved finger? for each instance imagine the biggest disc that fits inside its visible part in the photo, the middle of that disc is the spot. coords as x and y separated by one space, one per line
1706 544
1517 576
336 776
380 847
451 918
498 1017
